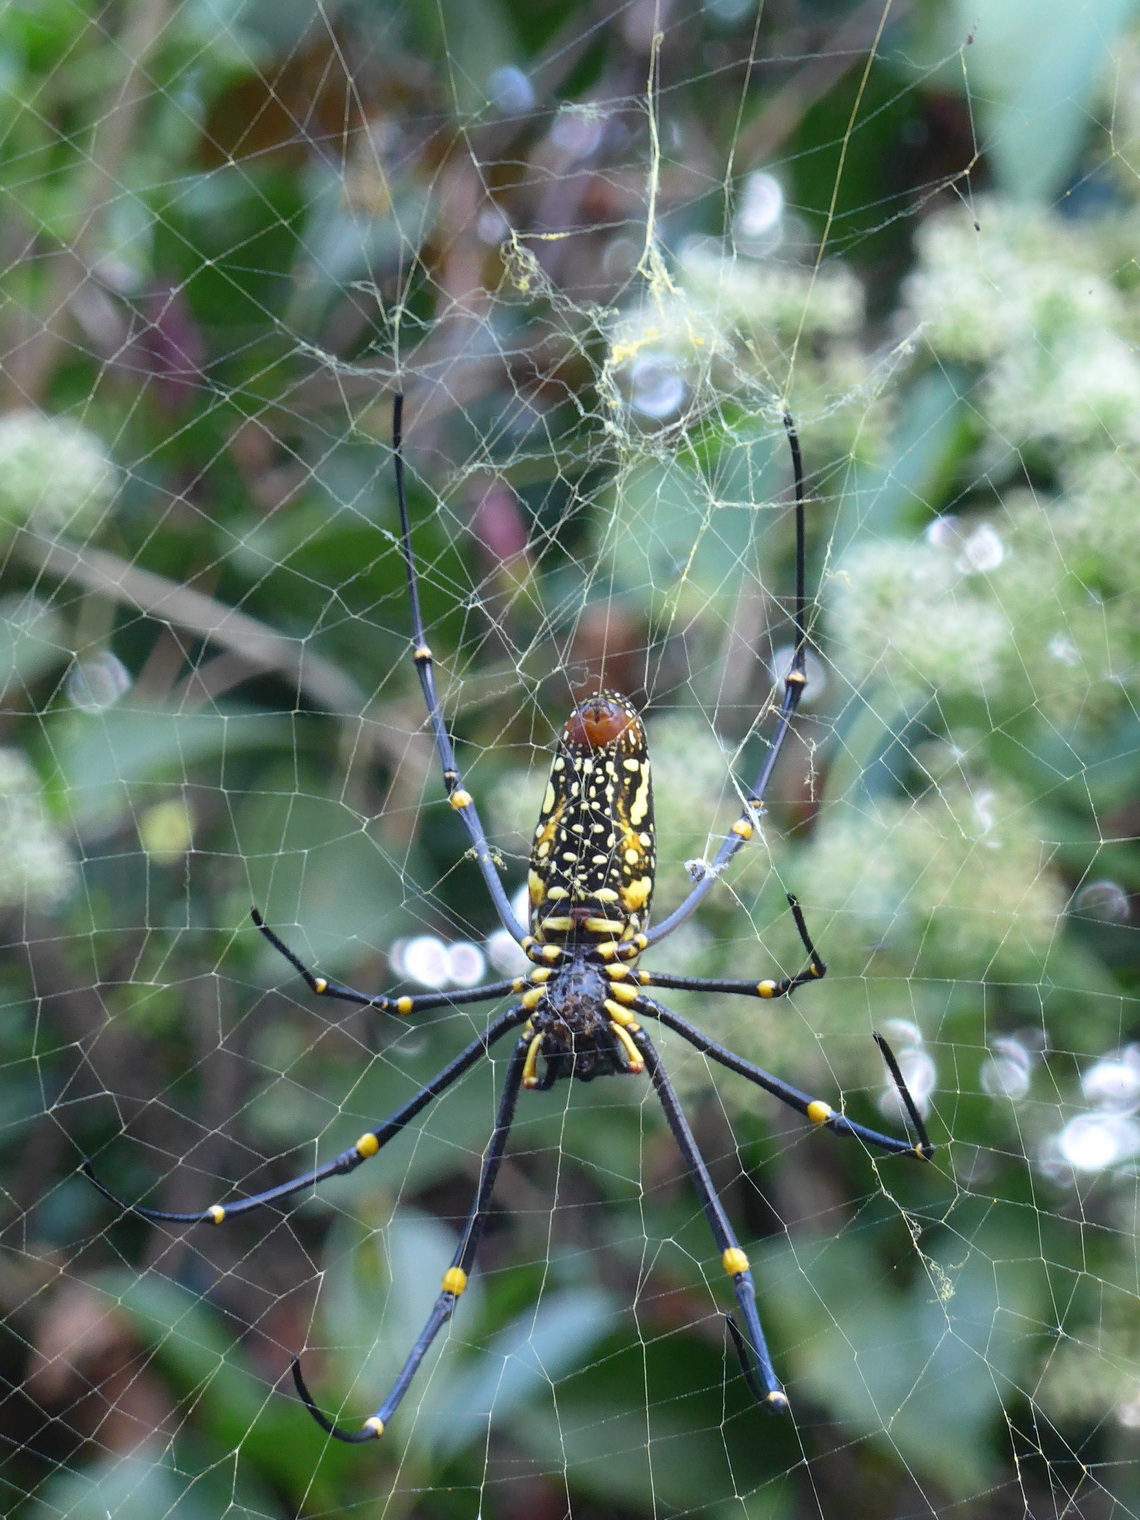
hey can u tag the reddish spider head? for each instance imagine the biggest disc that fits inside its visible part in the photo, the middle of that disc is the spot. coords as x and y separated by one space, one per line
600 721
593 860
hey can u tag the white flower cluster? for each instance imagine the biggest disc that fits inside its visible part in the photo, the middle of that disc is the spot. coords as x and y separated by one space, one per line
55 475
955 883
37 872
724 326
695 801
917 616
1032 297
1107 1135
759 299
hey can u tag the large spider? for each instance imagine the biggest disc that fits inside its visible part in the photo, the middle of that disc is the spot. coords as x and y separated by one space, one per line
577 1011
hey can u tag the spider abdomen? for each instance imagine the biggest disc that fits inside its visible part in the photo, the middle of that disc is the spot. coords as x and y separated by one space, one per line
593 859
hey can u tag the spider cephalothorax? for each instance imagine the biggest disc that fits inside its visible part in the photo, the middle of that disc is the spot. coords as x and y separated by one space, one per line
579 1009
573 1030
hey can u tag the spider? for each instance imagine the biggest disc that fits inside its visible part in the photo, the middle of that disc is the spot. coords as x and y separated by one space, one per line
577 1013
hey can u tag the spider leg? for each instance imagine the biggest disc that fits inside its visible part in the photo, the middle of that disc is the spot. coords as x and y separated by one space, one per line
812 1108
794 683
750 1344
816 969
419 1003
457 795
368 1144
454 1279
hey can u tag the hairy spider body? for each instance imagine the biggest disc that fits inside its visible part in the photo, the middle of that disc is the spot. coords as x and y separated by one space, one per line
590 883
572 1031
577 1014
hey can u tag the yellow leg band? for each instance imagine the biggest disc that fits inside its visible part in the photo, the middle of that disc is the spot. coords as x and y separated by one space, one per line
765 989
734 1261
624 994
319 984
375 1425
530 1065
460 799
217 1213
367 1145
404 1005
819 1113
635 1063
454 1280
620 1015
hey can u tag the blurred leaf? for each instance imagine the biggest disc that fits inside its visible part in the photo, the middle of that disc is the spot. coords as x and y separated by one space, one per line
203 1357
319 877
1031 68
899 492
31 640
476 40
519 1367
101 757
378 1289
142 1485
930 1368
676 537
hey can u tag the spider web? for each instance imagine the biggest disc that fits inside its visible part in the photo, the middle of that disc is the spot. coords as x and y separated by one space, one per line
600 250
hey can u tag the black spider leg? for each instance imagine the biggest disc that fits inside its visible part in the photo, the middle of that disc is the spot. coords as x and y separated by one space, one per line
794 683
813 1109
816 969
420 1002
750 1344
454 1279
368 1144
457 795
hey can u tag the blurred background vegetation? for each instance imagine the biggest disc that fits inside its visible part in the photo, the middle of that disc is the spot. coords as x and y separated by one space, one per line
599 247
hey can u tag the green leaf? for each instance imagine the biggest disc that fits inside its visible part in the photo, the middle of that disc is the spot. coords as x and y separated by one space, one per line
520 1367
1031 70
31 639
927 1369
319 876
378 1289
141 1485
101 757
233 1404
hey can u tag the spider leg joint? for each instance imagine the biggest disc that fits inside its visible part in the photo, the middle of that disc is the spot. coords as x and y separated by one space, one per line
734 1261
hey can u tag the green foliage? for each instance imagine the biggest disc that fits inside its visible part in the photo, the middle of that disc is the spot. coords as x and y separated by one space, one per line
231 229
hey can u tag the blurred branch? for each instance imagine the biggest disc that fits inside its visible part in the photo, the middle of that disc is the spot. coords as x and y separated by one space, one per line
785 110
257 646
100 186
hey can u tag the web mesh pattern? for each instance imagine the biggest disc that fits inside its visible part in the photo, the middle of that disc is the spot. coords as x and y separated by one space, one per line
600 249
